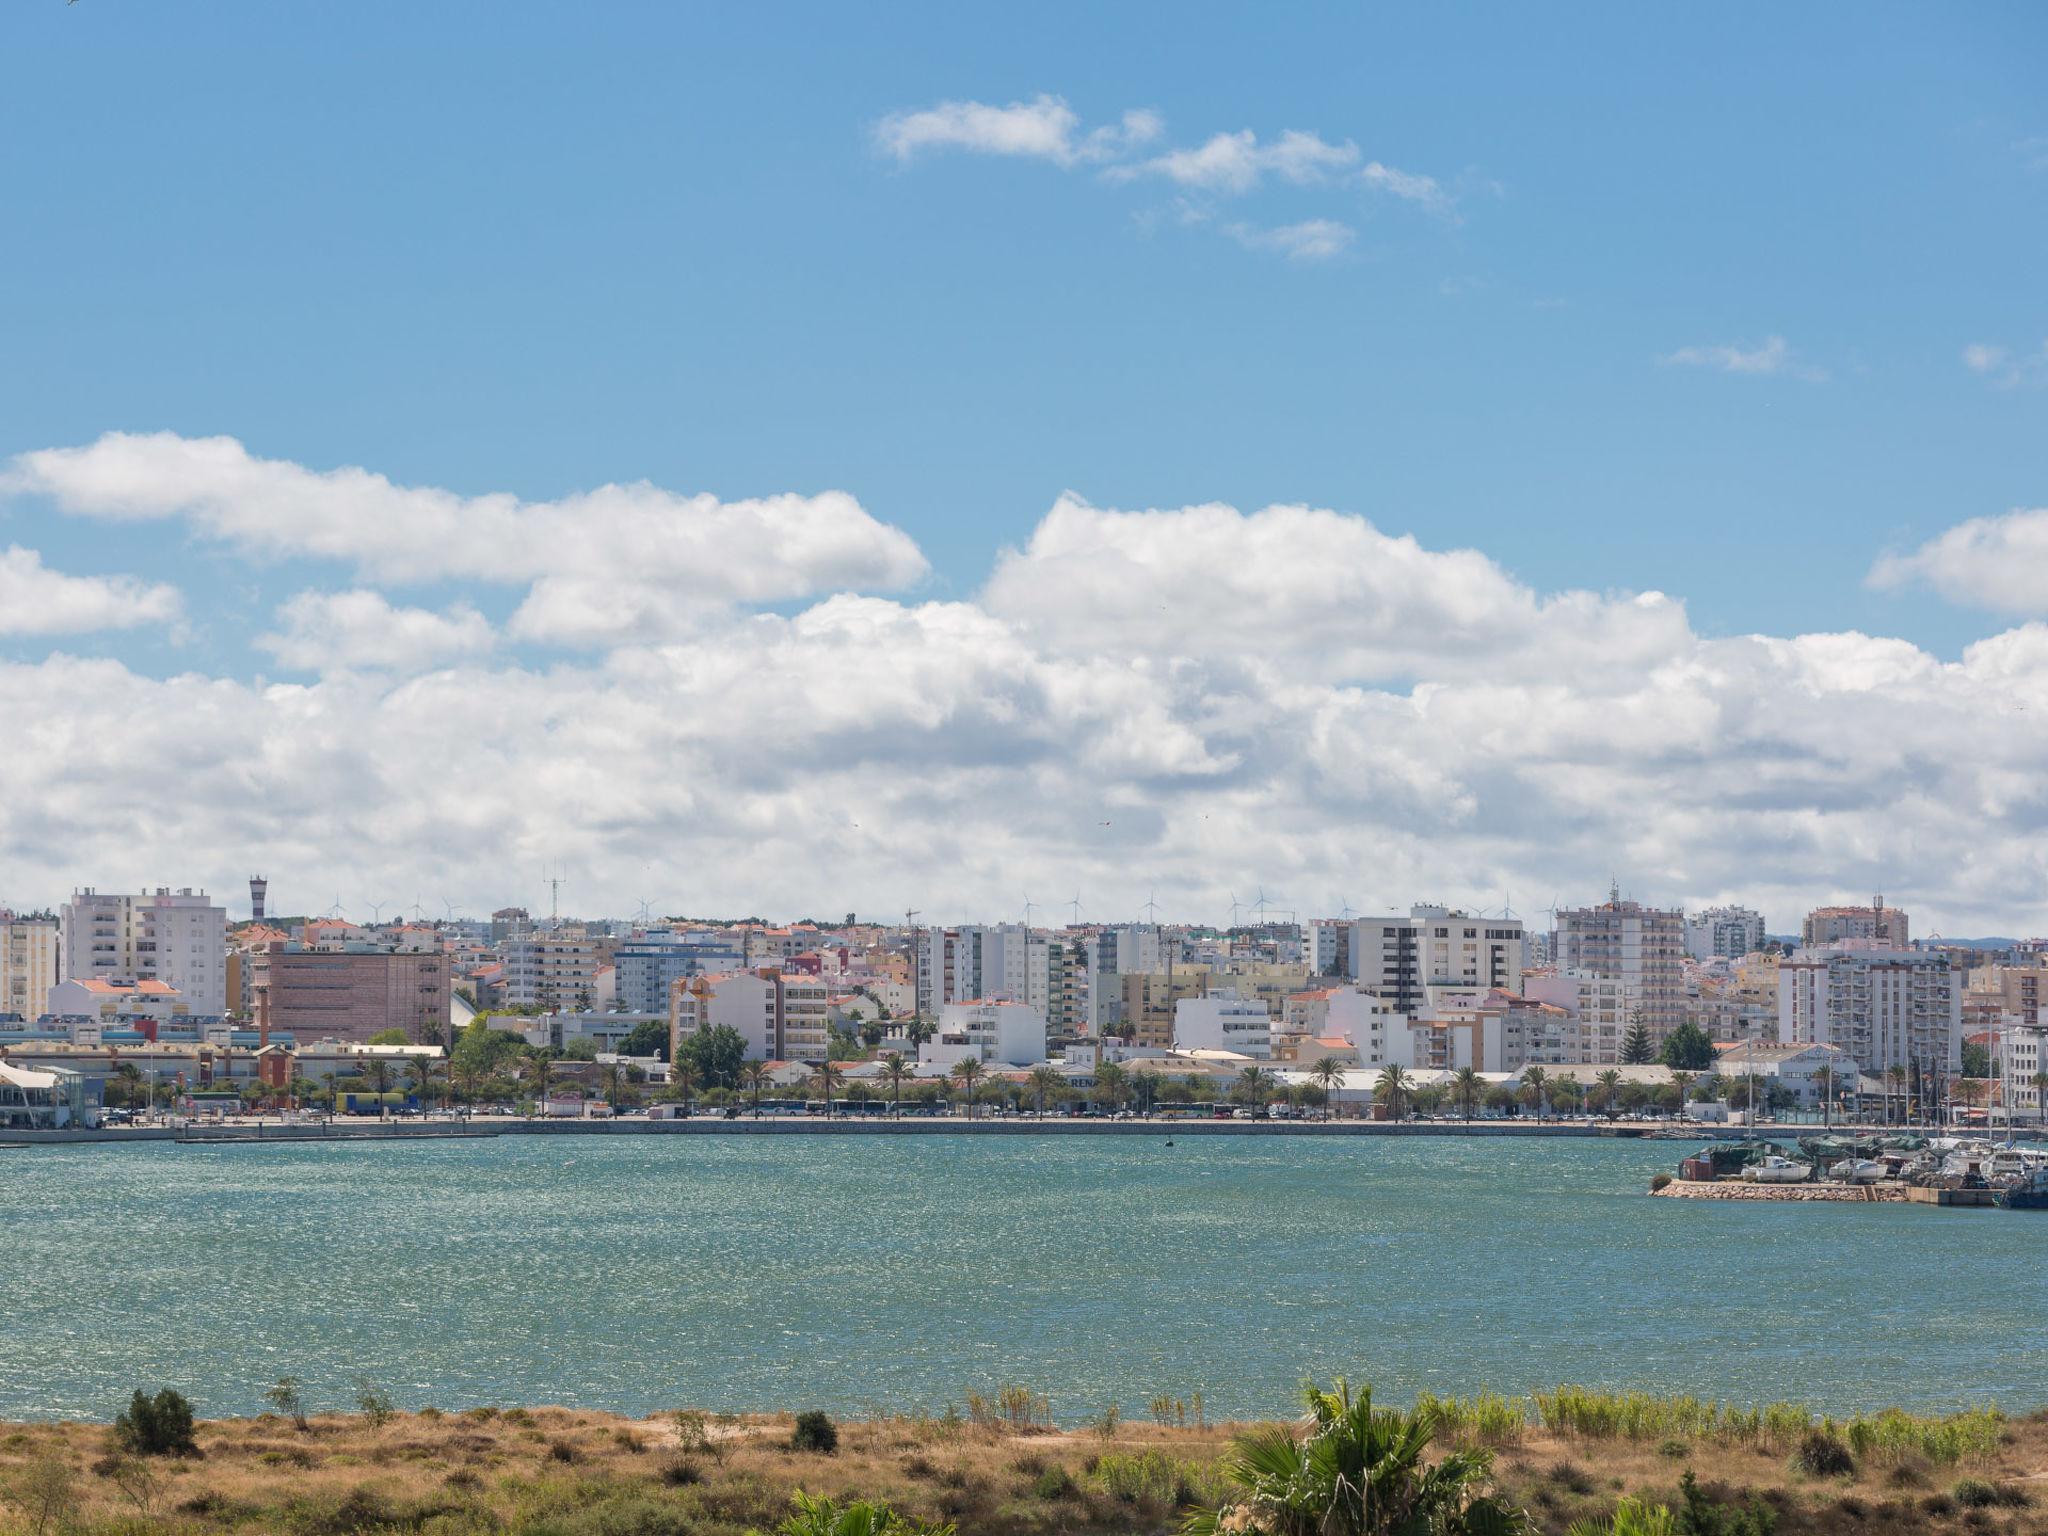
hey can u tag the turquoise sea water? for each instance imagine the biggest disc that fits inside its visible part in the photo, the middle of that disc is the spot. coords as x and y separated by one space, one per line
858 1273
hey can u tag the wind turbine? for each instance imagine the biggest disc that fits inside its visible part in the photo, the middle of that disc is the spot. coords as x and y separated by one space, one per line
1030 907
1151 908
335 910
1236 907
1076 905
445 902
1347 912
376 912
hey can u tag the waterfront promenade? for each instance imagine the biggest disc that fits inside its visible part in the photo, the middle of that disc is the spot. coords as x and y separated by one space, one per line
349 1129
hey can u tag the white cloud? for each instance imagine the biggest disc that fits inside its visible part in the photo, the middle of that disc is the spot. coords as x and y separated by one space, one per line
338 631
1196 699
1773 356
1237 162
1310 240
1405 184
669 558
35 600
2003 367
1044 128
2000 563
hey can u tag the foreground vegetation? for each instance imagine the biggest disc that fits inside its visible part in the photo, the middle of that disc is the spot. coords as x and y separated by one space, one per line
1573 1460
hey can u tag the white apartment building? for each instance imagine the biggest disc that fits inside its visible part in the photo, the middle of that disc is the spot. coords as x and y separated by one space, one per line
1496 1031
2021 1051
178 937
780 1016
1642 948
1326 947
108 998
550 970
1597 1010
1401 957
1223 1021
999 1033
28 963
1885 1007
1729 932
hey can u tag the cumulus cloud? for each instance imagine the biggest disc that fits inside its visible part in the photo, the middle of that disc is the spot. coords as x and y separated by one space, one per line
35 600
1310 240
670 558
1772 356
1407 185
335 631
2000 563
2003 366
1305 586
1044 128
1189 700
1237 162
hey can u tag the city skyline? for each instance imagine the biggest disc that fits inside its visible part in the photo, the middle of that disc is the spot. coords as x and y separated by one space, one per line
1016 463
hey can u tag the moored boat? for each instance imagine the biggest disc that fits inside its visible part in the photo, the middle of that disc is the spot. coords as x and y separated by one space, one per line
2027 1194
1777 1170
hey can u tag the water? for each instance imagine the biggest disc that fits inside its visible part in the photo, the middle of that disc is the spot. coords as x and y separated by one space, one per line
858 1273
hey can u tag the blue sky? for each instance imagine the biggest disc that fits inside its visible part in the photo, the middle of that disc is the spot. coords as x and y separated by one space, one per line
536 248
1628 301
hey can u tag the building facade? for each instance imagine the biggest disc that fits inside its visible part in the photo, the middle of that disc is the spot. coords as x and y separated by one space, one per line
178 937
1886 1008
28 963
1402 957
1642 950
1729 932
349 992
1875 924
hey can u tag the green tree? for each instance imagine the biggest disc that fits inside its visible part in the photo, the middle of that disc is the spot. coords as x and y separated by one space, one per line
1687 1049
754 1074
1466 1087
1976 1059
717 1053
1357 1471
424 1070
1390 1090
682 1077
1110 1083
967 1072
1328 1073
1533 1079
1045 1081
897 1069
647 1038
1252 1087
1610 1090
824 1077
1636 1049
390 1037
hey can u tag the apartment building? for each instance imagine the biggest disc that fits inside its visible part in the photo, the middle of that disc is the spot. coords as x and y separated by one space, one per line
176 937
1639 948
550 970
1877 923
29 953
1149 999
1727 932
1223 1021
781 1016
1885 1007
647 964
1000 1033
1402 957
2014 989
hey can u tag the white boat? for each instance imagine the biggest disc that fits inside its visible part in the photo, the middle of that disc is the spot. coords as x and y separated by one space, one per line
1859 1170
1777 1170
2008 1163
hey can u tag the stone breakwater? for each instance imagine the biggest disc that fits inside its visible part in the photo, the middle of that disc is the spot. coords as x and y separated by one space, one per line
1732 1189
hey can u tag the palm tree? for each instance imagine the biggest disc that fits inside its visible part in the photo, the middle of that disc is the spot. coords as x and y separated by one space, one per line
1610 1090
1466 1086
381 1070
1533 1079
898 1069
683 1074
1894 1083
754 1076
967 1073
821 1517
1045 1080
1357 1471
1328 1073
1683 1081
610 1077
422 1070
1109 1082
2040 1084
1391 1090
824 1076
543 1069
1251 1086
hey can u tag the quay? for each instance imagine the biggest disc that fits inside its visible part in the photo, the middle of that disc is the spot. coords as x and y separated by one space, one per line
271 1132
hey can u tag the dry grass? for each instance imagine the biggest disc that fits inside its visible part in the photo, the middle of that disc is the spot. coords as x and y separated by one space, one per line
561 1472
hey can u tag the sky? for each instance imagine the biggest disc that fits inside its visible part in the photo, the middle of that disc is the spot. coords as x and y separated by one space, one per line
798 460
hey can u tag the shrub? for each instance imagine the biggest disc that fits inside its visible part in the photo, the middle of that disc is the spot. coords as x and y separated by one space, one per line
1676 1450
374 1402
1055 1482
814 1431
1820 1454
156 1426
47 1494
287 1400
1974 1493
681 1472
1659 1181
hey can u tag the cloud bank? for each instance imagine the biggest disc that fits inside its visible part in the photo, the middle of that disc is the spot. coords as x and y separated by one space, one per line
1191 700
